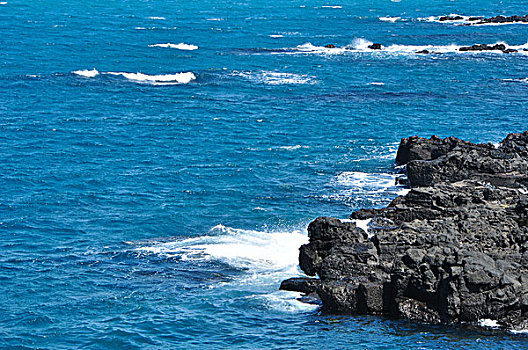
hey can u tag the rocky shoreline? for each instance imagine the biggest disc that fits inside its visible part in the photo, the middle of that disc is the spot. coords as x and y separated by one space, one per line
476 20
453 250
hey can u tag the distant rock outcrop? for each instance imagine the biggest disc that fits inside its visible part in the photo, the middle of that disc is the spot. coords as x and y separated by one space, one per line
454 249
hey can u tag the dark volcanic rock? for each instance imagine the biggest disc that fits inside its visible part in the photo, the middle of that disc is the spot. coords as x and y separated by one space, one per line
375 47
450 18
454 249
484 47
330 46
504 19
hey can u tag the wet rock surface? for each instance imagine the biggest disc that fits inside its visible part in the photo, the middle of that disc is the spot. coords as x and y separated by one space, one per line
486 47
453 250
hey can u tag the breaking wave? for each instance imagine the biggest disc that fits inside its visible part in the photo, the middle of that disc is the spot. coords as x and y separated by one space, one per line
161 79
180 46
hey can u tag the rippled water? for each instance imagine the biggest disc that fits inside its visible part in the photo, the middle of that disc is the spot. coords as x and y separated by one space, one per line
160 160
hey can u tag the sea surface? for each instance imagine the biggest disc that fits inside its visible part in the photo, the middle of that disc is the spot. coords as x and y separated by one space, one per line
160 160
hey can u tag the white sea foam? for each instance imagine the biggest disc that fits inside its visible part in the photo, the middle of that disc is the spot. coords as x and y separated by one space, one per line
521 80
332 6
160 18
258 251
162 79
277 78
464 21
379 83
366 189
180 46
488 323
87 73
276 36
3 3
286 301
390 19
266 257
361 45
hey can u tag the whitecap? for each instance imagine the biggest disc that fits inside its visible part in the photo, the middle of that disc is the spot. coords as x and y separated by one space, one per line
87 73
180 46
162 79
390 19
160 18
276 36
379 83
332 6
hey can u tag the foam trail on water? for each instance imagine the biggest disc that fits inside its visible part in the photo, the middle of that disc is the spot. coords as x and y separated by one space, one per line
87 73
277 78
180 46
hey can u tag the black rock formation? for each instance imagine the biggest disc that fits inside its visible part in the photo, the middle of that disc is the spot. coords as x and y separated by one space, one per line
453 250
483 20
502 19
375 47
485 47
451 18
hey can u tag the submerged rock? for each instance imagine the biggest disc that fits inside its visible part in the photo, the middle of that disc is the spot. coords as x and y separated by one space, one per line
454 249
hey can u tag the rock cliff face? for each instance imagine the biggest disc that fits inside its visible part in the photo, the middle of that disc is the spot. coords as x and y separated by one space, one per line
454 249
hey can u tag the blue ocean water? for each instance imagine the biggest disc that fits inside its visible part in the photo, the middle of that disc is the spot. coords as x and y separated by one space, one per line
153 195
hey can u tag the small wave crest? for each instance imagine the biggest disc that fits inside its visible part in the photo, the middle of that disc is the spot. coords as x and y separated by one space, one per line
87 73
180 46
390 19
161 79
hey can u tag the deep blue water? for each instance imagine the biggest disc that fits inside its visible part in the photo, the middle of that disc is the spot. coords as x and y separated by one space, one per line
142 211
